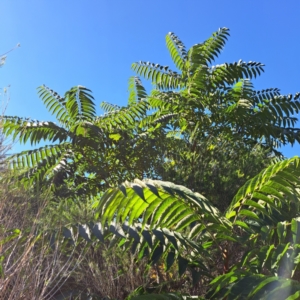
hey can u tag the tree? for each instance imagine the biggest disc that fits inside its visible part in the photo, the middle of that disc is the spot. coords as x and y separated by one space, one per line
88 152
199 121
206 111
226 131
206 100
249 252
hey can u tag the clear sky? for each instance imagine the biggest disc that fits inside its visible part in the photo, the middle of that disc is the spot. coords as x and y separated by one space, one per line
94 42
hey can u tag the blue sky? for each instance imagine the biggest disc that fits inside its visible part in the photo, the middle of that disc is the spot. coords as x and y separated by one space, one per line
94 42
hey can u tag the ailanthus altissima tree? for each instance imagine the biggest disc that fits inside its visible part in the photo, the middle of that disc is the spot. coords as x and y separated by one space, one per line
170 223
89 152
204 99
248 250
226 131
205 112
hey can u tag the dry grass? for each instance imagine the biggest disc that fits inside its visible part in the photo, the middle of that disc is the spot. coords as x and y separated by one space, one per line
30 269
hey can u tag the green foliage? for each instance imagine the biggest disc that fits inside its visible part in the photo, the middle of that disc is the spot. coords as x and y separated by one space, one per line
246 286
219 99
205 128
193 120
165 221
136 91
108 148
157 204
218 121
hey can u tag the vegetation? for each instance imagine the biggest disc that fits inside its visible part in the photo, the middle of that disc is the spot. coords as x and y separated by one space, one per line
214 213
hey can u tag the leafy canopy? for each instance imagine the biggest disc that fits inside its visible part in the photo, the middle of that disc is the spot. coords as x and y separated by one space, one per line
248 250
220 130
169 222
208 100
191 121
86 151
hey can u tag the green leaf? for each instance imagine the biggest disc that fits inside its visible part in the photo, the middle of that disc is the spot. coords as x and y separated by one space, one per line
170 258
182 265
115 136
